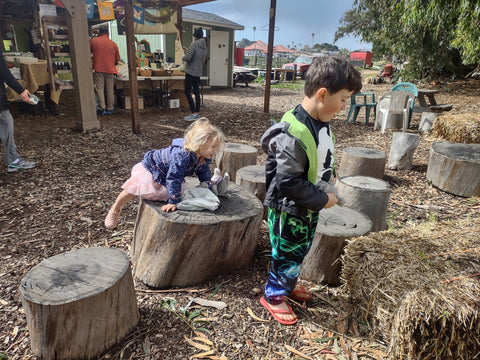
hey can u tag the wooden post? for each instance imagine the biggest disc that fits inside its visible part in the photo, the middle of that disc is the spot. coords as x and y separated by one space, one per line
79 303
455 168
363 161
335 226
186 247
235 156
252 178
426 122
368 195
402 149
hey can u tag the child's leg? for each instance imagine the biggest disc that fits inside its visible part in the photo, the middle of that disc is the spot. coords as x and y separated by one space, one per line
111 220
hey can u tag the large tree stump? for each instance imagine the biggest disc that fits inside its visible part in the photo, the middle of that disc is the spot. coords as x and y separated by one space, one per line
455 168
335 226
79 303
368 195
252 178
235 156
426 122
186 247
402 149
363 161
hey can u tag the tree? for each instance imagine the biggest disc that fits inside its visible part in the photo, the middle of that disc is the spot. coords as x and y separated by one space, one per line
433 35
244 43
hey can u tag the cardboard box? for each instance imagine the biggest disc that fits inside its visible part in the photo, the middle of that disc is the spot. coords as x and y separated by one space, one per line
128 106
142 62
174 103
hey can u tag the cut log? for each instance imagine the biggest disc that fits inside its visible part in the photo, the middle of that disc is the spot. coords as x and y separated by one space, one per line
79 303
368 195
235 156
252 178
455 168
186 247
426 122
335 226
363 161
402 149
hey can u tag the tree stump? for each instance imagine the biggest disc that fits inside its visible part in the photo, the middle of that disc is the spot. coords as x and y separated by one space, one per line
252 178
368 195
186 247
426 122
363 161
79 303
402 149
335 226
235 156
455 168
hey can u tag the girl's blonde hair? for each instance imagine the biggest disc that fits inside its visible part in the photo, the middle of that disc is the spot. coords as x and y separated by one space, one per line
200 133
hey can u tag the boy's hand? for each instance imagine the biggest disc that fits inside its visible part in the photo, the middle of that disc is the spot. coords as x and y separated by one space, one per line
169 207
332 200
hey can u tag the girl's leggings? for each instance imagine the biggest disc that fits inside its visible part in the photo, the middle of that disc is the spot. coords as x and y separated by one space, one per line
291 238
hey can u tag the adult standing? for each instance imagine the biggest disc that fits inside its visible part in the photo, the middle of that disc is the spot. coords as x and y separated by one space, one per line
14 161
195 58
105 56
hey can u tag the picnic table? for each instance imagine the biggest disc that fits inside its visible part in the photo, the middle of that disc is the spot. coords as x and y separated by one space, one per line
430 94
243 75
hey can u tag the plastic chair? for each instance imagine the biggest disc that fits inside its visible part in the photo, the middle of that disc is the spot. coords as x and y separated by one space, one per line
368 103
406 86
392 104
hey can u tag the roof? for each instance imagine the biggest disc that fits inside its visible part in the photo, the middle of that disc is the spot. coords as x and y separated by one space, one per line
204 18
282 49
257 45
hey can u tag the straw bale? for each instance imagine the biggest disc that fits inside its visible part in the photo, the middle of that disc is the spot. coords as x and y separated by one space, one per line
418 288
461 128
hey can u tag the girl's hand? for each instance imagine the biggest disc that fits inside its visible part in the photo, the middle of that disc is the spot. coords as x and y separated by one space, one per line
169 207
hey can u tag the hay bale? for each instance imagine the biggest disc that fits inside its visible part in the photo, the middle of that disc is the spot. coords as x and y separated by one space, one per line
460 128
418 286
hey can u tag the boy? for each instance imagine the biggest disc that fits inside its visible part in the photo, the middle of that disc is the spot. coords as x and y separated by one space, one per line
299 155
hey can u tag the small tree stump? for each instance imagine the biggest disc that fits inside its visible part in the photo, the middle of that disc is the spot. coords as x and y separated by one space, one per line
363 161
426 122
79 303
368 195
252 178
455 168
186 247
235 156
402 149
335 226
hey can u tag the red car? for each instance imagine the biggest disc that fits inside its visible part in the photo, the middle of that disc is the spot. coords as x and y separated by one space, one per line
301 63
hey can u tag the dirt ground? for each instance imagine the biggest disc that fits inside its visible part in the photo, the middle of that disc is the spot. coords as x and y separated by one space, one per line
61 205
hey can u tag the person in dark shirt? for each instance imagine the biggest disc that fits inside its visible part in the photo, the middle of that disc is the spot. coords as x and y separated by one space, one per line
13 160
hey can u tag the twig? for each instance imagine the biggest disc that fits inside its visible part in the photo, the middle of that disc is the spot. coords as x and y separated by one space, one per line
459 278
31 241
452 252
170 290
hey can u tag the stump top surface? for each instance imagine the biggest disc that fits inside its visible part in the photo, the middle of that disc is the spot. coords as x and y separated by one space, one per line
239 204
365 152
343 222
366 182
237 147
458 151
252 172
74 275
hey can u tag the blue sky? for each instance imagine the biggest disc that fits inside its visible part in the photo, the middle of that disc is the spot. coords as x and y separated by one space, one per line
295 21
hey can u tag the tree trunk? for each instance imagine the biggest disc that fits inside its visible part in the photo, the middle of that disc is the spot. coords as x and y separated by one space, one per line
402 149
368 195
335 226
363 161
455 168
79 303
186 247
426 122
235 156
252 178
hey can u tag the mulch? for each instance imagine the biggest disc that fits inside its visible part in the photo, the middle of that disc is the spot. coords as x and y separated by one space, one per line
61 204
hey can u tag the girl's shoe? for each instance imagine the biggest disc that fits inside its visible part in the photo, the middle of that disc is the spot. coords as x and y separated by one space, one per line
111 220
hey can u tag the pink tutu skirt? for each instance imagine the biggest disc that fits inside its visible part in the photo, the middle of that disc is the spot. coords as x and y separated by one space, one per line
141 183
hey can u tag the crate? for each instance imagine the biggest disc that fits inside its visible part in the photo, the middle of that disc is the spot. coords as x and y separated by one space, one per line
128 106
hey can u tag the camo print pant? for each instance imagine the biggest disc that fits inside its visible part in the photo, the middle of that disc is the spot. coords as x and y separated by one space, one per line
291 238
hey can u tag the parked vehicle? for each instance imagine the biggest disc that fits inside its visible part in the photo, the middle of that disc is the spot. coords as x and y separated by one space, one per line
301 64
361 58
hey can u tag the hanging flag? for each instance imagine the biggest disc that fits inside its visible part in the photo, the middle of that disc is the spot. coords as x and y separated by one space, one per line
105 10
138 15
119 6
59 3
90 4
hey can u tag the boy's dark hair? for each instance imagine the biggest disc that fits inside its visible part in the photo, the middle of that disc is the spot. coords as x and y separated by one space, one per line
334 73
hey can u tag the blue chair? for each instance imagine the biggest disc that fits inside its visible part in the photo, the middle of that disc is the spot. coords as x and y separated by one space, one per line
368 102
406 86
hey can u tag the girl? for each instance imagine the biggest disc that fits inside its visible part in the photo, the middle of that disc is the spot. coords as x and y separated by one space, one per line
162 172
